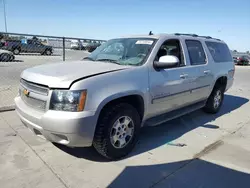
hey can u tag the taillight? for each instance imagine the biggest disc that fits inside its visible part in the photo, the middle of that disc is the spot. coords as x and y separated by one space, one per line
231 72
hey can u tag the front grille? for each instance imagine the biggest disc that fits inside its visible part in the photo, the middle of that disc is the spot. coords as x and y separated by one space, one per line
36 97
34 103
36 88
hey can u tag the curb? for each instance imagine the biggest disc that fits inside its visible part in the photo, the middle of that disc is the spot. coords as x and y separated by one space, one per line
7 108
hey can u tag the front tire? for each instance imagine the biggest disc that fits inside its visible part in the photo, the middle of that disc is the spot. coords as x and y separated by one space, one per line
5 57
117 131
215 100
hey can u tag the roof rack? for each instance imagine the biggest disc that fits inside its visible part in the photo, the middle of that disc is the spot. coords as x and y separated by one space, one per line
195 35
192 35
208 37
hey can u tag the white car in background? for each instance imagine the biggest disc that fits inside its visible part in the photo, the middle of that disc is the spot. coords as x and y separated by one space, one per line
6 56
76 45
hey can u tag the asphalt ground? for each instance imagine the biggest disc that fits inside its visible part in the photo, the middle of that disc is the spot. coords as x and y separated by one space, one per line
194 151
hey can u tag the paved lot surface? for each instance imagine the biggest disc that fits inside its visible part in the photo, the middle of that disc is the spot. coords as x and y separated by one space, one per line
10 71
197 150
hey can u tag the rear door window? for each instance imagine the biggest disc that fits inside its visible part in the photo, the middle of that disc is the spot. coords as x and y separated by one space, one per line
219 51
196 52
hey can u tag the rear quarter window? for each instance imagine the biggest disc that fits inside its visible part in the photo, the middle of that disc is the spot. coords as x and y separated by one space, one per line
219 51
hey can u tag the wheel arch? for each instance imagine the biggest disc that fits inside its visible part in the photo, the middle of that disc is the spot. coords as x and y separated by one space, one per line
221 80
133 98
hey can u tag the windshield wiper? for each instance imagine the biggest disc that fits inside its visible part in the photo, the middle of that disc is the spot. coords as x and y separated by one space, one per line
109 60
88 58
132 64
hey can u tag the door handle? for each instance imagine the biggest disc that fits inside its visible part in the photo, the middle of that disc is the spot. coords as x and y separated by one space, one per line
183 76
206 71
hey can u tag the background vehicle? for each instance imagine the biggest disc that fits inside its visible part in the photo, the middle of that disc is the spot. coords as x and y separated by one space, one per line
242 60
235 59
92 46
6 55
77 45
27 46
126 83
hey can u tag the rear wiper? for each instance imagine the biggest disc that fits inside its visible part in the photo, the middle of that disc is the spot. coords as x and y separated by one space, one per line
109 60
88 58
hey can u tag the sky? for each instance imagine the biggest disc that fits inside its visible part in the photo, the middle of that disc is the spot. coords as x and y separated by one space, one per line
105 19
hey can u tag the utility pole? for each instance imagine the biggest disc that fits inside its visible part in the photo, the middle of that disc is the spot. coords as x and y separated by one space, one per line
4 14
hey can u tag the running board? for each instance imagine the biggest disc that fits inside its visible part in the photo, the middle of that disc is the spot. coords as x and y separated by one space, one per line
174 114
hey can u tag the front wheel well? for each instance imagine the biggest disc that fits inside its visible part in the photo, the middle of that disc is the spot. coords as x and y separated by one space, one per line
134 100
16 47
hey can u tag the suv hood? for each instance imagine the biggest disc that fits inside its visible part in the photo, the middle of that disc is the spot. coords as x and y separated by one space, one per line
62 74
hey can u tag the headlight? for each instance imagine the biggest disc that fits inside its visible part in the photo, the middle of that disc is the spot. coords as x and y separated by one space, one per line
72 101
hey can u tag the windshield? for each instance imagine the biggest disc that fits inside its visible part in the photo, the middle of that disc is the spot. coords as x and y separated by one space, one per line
123 51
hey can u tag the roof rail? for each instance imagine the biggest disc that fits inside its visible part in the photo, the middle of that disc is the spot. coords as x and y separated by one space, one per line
208 37
216 39
195 35
192 35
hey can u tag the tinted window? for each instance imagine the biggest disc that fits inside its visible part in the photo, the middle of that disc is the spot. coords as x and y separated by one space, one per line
196 53
219 51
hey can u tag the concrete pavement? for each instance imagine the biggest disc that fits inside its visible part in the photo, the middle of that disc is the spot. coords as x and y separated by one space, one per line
196 150
227 164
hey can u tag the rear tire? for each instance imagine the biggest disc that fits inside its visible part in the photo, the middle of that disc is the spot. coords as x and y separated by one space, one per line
47 52
215 100
111 139
16 51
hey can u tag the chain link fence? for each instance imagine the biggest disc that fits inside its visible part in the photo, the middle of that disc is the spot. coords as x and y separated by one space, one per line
22 51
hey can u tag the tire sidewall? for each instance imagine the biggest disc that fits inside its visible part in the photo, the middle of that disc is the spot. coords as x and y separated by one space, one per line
5 57
222 98
48 52
124 110
16 51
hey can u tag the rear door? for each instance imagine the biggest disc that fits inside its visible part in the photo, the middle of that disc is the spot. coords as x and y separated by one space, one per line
39 47
201 70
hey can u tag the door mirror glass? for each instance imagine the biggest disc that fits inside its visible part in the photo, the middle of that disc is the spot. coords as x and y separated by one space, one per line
167 61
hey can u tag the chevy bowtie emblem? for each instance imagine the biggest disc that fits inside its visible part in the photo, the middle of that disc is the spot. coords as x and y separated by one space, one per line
26 92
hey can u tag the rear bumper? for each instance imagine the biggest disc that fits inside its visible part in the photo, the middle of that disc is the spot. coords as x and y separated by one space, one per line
73 129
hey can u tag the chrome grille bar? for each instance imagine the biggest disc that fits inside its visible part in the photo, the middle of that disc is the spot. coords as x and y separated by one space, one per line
36 88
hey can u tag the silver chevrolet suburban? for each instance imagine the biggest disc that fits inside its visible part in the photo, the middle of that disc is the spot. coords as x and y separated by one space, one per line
127 83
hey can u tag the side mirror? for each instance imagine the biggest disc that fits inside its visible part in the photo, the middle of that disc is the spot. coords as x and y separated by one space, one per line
167 61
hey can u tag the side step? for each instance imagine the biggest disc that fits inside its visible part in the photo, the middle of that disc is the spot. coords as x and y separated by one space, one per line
174 114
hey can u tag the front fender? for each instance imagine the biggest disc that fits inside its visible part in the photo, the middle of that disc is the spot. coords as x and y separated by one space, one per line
117 96
104 88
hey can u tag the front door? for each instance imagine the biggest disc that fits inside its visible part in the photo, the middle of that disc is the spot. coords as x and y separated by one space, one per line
170 88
